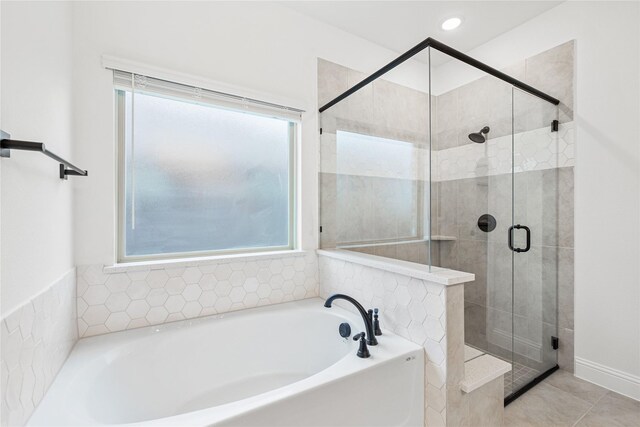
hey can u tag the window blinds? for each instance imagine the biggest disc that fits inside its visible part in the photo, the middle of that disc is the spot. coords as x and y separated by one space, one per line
128 81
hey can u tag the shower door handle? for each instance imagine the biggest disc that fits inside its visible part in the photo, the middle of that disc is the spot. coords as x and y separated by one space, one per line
518 227
510 234
528 231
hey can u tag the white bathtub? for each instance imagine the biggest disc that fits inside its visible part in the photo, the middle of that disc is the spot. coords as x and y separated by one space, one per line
282 365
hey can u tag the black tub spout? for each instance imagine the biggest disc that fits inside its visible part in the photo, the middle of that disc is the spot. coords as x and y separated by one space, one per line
368 324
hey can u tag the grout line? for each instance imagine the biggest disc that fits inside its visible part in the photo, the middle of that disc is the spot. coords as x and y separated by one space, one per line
591 405
570 394
589 410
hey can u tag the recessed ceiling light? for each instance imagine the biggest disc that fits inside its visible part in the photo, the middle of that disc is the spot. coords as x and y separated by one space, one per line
451 24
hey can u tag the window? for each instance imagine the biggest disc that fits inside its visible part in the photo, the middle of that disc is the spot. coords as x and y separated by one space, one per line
200 172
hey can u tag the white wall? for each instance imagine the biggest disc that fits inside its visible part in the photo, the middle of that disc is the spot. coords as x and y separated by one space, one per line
607 175
259 46
36 212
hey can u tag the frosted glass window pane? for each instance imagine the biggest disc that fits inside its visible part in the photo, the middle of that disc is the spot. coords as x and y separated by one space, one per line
202 178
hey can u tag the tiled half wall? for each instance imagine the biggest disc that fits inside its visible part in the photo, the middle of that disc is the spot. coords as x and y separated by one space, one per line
412 308
111 300
36 340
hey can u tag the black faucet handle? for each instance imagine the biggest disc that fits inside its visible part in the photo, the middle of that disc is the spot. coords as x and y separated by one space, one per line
371 340
376 323
363 351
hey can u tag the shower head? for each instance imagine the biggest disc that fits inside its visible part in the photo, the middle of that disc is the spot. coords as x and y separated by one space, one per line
479 137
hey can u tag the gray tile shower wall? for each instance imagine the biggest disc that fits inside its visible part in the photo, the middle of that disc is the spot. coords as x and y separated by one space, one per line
379 208
383 109
36 340
546 269
413 251
488 101
471 181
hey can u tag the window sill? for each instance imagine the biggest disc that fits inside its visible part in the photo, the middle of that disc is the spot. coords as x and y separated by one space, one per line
192 262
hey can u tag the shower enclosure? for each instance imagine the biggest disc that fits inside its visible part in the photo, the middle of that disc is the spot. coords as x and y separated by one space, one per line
442 160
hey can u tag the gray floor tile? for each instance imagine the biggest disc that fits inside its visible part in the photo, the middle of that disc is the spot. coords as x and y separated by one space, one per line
545 405
613 410
585 390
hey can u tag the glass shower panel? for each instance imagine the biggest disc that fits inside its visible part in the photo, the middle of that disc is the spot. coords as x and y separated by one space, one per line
472 207
374 167
458 171
535 237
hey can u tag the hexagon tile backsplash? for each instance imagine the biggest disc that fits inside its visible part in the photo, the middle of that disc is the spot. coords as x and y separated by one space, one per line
412 308
36 340
115 301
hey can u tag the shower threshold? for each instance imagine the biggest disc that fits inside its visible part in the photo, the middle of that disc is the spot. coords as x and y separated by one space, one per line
528 386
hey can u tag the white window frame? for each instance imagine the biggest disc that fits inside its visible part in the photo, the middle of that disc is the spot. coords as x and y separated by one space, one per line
227 101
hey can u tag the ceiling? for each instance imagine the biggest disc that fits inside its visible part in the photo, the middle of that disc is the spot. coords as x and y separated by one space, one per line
400 25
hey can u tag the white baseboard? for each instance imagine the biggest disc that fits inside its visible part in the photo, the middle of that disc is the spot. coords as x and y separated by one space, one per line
613 379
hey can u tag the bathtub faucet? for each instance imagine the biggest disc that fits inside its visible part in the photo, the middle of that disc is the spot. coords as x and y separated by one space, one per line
368 321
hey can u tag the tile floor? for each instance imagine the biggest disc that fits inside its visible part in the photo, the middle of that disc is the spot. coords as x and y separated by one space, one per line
564 400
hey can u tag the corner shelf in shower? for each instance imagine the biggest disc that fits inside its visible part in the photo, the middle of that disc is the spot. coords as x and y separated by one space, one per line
443 238
399 242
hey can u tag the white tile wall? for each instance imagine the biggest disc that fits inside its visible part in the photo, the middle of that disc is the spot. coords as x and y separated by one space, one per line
532 150
115 301
36 340
412 308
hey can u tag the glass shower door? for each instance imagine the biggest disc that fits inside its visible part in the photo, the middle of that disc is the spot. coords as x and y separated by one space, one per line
533 238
